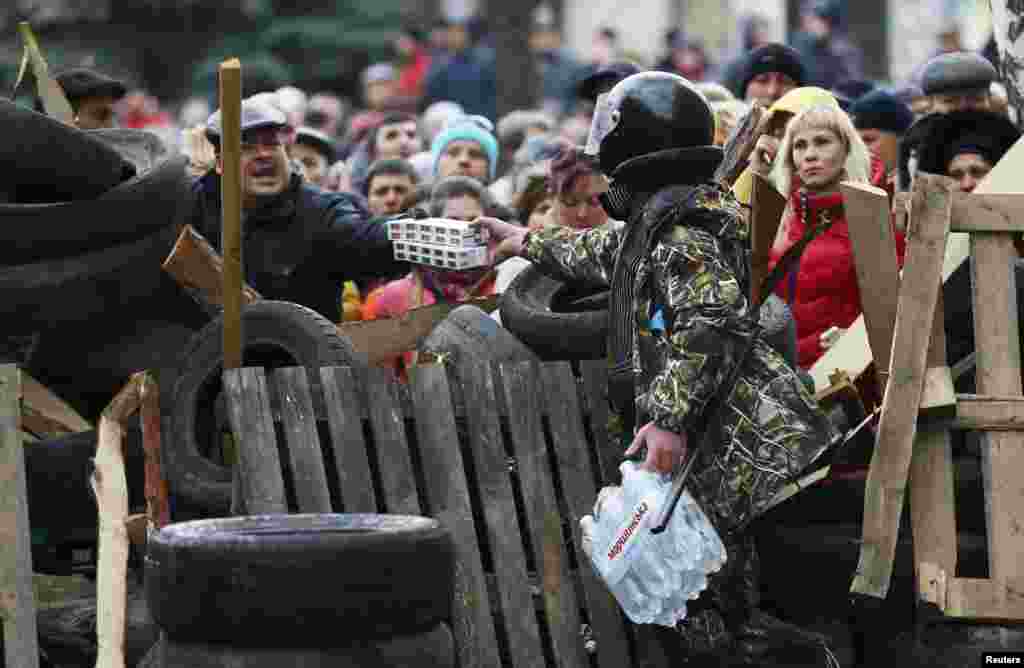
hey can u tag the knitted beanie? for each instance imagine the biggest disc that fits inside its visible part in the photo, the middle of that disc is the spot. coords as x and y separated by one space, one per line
469 131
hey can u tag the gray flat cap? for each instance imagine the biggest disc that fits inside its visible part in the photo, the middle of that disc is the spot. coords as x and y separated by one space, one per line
257 112
960 72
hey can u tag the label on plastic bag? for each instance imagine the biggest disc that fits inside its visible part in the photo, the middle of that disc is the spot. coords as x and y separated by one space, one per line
614 561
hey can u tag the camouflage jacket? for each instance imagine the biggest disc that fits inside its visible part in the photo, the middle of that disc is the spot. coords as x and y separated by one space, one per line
696 278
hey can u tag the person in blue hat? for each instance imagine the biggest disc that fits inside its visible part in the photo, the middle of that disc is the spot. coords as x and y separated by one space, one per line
882 119
466 147
301 243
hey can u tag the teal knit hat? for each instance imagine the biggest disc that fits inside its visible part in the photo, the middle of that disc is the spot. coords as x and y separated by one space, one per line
464 129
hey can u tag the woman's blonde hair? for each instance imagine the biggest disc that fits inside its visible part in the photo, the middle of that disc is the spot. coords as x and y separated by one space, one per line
858 160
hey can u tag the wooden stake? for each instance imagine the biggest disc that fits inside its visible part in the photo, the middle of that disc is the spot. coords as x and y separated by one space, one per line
17 599
55 102
231 208
157 506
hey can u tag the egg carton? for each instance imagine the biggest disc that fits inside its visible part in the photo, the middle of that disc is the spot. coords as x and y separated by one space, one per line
441 257
437 231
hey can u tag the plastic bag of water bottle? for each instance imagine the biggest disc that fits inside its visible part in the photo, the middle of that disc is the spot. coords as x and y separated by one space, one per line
652 576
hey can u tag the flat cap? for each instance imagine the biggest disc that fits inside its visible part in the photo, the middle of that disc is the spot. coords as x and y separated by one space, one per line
960 72
80 83
257 112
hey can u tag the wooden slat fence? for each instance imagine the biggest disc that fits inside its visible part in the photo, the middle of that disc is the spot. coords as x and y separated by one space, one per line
507 458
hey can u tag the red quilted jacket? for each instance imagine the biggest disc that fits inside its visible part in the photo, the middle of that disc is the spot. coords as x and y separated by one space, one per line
824 291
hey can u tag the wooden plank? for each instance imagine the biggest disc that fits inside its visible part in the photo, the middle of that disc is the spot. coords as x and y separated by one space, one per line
158 509
199 269
382 339
580 492
393 460
878 274
977 598
259 465
988 413
767 206
110 489
595 396
343 405
448 500
307 460
932 502
981 212
17 599
38 399
520 386
490 463
890 463
997 336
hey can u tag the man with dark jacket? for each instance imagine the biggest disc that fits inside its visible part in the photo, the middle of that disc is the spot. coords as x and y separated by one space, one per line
300 243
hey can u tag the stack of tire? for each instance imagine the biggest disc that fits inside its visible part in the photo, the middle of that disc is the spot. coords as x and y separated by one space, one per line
341 590
84 228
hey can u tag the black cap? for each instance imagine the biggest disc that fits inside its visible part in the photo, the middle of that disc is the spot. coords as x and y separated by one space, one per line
854 89
960 72
81 83
881 110
773 58
988 134
604 78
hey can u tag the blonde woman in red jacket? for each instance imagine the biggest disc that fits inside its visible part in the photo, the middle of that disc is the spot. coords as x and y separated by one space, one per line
820 149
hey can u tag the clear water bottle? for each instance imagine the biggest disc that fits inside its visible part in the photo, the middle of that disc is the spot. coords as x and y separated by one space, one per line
651 576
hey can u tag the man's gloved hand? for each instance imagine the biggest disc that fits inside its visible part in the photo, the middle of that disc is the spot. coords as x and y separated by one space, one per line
665 449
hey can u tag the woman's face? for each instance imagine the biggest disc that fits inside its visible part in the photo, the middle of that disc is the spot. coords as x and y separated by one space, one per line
819 157
540 217
579 207
968 169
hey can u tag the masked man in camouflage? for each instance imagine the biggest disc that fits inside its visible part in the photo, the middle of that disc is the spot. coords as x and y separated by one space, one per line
687 365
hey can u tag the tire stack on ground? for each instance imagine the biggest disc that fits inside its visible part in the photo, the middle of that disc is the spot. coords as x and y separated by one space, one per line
343 590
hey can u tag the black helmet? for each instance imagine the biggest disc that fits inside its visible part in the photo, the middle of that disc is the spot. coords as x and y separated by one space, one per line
649 112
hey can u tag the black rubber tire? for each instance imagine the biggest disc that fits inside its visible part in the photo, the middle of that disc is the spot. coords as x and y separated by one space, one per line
61 507
841 499
43 160
526 311
300 580
806 571
276 334
541 312
469 332
125 212
93 288
434 648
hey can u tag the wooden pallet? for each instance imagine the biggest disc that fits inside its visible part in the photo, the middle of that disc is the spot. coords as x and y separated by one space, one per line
507 458
920 407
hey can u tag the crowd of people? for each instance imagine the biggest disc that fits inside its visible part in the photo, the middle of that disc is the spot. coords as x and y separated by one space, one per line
426 142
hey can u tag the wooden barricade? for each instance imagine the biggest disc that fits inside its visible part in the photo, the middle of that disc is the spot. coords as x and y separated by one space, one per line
507 458
920 407
17 599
